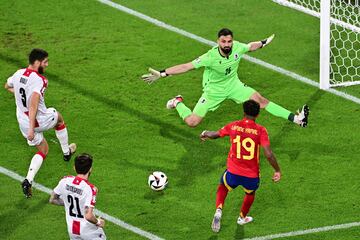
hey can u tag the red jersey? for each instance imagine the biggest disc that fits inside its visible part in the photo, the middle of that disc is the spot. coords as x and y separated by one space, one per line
245 138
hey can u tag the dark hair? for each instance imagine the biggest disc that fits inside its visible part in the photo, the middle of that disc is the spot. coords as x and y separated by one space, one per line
37 54
251 108
83 163
224 32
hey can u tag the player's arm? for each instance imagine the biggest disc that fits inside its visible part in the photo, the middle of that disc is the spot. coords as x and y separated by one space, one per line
34 104
273 162
90 217
177 69
56 200
253 46
10 89
209 135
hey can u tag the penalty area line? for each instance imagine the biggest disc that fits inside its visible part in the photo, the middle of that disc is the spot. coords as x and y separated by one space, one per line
104 215
212 43
307 231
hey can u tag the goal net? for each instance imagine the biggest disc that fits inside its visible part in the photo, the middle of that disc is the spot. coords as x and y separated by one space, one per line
339 38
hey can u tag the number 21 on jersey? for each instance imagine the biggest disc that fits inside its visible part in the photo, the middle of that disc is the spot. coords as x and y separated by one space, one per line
248 144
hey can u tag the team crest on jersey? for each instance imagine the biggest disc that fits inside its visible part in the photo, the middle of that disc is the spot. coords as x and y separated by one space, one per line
236 56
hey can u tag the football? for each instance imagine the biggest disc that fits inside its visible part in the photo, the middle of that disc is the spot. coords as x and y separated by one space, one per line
157 181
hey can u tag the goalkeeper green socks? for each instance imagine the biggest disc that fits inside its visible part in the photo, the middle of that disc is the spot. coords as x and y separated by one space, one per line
183 110
279 111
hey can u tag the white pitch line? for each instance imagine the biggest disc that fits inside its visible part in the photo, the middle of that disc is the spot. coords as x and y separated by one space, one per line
151 236
105 216
308 231
212 43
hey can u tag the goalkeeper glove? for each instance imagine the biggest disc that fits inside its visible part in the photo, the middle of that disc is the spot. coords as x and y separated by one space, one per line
267 40
153 75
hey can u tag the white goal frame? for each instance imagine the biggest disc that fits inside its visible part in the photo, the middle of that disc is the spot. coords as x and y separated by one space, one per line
324 13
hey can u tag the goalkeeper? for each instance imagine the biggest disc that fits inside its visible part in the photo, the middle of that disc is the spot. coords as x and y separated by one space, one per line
221 81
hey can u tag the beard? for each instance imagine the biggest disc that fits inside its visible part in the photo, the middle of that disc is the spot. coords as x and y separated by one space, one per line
226 50
41 70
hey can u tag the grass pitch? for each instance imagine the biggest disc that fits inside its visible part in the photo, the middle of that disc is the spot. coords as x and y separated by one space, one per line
97 54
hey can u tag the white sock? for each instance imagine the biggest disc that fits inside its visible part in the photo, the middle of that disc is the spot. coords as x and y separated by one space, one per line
62 135
297 119
34 167
218 212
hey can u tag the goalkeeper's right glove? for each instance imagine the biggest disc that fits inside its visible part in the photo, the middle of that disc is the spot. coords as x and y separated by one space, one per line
267 40
153 75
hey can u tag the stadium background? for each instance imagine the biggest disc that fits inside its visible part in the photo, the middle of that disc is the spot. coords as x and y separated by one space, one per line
97 55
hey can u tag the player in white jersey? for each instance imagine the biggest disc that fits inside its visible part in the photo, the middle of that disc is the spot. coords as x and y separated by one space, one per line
78 196
28 86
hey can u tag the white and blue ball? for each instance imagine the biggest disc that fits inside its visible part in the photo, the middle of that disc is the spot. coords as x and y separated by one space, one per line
157 181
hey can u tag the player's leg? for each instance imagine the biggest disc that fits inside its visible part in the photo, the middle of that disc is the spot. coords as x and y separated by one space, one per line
36 162
191 119
240 93
205 104
301 118
250 185
194 118
62 135
227 183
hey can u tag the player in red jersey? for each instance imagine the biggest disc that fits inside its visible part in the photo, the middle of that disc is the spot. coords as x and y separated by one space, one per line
29 85
78 196
246 137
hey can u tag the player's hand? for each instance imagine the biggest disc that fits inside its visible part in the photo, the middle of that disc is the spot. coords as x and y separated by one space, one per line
31 134
267 40
153 75
101 222
276 177
203 135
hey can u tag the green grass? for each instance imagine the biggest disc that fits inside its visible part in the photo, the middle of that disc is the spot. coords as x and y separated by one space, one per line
97 54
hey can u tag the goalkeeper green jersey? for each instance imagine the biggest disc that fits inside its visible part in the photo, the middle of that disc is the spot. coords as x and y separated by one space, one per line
220 72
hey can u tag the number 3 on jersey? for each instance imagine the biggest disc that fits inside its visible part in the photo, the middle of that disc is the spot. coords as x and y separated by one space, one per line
23 96
248 144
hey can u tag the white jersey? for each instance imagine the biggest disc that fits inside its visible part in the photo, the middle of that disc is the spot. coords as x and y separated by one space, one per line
25 82
77 193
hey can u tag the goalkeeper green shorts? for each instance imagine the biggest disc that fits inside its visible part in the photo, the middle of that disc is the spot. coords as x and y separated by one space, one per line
239 93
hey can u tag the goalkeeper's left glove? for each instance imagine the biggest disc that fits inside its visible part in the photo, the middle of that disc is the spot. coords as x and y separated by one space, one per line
267 40
153 75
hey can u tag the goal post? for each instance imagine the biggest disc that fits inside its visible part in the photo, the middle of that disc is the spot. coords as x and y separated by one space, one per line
325 44
339 38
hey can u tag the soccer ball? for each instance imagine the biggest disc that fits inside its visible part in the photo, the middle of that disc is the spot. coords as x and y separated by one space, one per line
157 181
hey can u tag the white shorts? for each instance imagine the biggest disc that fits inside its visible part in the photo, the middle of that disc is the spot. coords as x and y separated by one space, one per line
45 122
94 235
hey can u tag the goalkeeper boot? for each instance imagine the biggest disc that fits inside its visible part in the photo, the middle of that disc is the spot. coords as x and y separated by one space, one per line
72 150
245 220
172 103
302 117
216 223
26 187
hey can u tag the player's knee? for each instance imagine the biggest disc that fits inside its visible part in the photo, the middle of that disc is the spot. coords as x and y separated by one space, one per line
60 123
45 152
192 121
60 119
263 102
44 148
